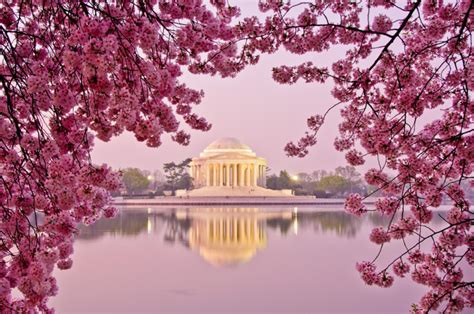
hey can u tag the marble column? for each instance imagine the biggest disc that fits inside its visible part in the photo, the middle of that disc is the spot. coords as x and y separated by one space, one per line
241 173
237 175
198 175
221 176
250 175
213 179
211 173
255 174
258 174
234 175
208 175
227 174
264 176
247 175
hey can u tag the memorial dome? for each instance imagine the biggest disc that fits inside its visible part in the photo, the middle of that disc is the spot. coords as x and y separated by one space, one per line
227 143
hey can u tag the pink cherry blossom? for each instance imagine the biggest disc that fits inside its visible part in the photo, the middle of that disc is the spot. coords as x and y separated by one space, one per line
379 236
367 272
400 268
73 71
354 205
381 23
387 205
414 68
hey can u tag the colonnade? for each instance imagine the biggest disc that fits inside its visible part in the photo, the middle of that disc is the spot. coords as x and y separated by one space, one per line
230 174
196 173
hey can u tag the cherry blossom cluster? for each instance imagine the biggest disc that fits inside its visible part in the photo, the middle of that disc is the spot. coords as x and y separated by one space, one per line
71 71
404 89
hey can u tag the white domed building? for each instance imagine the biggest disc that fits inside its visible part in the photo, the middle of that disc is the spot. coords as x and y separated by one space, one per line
228 167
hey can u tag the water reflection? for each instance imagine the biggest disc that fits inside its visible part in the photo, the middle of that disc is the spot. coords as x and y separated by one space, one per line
222 236
284 260
226 236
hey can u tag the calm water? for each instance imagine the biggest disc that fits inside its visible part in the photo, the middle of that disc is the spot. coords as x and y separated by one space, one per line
227 260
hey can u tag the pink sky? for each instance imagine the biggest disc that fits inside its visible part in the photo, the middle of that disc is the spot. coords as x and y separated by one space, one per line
251 107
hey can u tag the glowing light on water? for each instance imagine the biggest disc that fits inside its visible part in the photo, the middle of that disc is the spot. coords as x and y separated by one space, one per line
295 221
149 226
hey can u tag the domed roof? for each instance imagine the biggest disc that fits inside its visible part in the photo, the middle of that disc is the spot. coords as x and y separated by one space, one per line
227 143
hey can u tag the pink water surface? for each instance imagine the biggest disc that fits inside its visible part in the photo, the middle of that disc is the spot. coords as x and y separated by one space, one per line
143 261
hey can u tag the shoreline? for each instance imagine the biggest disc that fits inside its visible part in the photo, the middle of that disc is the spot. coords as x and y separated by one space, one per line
205 201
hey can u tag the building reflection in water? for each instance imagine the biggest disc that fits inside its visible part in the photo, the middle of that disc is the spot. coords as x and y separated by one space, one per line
226 236
229 236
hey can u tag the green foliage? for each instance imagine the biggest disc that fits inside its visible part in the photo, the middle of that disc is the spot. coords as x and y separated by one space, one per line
304 177
333 185
285 180
177 176
280 182
321 183
134 180
272 182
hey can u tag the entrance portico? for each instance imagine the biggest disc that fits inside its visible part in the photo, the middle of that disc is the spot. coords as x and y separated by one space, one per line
229 168
228 163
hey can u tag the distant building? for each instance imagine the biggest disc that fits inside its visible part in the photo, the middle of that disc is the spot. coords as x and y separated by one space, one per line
227 162
228 167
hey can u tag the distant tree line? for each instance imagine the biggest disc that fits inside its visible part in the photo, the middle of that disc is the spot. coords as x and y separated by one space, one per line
321 183
135 181
175 176
139 182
